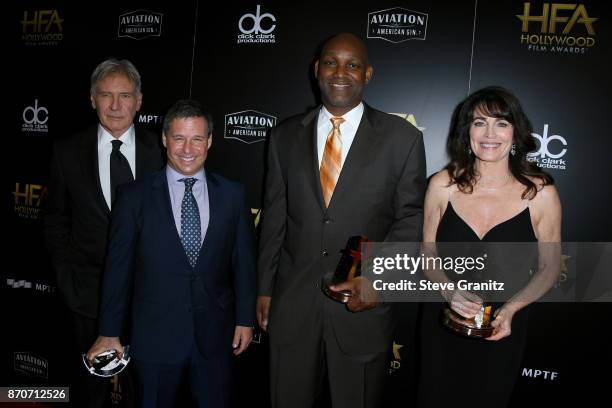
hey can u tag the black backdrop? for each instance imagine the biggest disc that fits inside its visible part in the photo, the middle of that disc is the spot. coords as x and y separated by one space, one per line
196 49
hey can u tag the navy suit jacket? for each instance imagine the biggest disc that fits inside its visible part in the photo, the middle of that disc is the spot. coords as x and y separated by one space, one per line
171 302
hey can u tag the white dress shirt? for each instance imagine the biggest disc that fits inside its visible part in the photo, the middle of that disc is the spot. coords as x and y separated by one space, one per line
105 147
348 129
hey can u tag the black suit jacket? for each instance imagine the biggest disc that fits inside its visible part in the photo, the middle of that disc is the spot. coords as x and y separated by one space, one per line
148 273
379 194
76 222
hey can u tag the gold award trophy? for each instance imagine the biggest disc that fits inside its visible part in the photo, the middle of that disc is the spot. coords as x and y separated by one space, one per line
348 268
478 326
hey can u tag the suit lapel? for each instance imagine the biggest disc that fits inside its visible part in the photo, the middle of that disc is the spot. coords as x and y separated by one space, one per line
145 151
161 195
215 207
308 140
358 156
89 162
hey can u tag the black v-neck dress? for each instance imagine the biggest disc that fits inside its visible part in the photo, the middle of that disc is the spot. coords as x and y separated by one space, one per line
457 371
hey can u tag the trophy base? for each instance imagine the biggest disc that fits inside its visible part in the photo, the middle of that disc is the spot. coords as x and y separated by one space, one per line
465 327
342 296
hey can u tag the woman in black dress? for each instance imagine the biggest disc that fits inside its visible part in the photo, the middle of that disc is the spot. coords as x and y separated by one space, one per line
488 192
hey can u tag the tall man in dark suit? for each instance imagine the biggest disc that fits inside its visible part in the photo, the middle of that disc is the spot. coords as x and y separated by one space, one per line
85 168
181 259
343 169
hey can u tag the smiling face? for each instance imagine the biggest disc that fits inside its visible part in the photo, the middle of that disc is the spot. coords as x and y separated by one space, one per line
187 142
116 101
342 71
490 138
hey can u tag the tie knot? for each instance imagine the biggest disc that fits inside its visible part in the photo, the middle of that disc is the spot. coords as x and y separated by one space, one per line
189 182
116 145
336 122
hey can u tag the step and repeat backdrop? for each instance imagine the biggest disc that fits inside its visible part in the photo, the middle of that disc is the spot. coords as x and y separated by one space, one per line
251 64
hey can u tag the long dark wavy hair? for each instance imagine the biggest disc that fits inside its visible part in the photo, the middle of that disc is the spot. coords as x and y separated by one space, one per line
496 102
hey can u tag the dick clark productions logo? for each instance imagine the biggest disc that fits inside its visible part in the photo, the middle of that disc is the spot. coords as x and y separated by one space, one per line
256 28
35 118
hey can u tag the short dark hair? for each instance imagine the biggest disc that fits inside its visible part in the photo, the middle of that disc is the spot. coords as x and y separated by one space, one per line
187 108
496 102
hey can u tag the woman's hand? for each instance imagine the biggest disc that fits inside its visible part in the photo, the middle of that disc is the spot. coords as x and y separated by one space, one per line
465 304
502 324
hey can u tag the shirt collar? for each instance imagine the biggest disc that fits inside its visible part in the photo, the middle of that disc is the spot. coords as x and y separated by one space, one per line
128 137
174 176
353 117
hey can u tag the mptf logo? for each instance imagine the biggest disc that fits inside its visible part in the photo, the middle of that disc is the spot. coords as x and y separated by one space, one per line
31 364
140 24
397 25
549 156
35 118
148 119
253 29
248 126
540 374
29 200
556 17
42 27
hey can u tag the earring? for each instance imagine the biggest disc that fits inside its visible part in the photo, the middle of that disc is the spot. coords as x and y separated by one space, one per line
513 149
469 151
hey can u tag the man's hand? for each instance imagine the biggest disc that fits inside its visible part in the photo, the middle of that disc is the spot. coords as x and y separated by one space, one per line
242 338
103 344
263 309
363 294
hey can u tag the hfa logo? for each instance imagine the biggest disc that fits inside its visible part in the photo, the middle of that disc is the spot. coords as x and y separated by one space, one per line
256 28
396 363
42 27
256 213
29 199
410 118
561 28
116 392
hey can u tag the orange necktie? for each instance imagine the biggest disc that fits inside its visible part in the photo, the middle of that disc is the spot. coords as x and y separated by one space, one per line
331 164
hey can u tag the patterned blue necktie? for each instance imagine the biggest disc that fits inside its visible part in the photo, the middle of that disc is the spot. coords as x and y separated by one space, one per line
190 222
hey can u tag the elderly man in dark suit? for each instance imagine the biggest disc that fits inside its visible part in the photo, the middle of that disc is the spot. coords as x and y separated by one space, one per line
341 170
85 170
181 261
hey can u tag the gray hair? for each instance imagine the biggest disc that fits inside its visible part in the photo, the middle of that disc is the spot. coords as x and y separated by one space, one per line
114 66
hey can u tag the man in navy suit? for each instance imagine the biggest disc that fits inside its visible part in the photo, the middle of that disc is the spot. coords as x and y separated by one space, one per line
181 258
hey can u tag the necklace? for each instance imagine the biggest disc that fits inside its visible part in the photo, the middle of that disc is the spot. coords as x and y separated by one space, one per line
485 182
